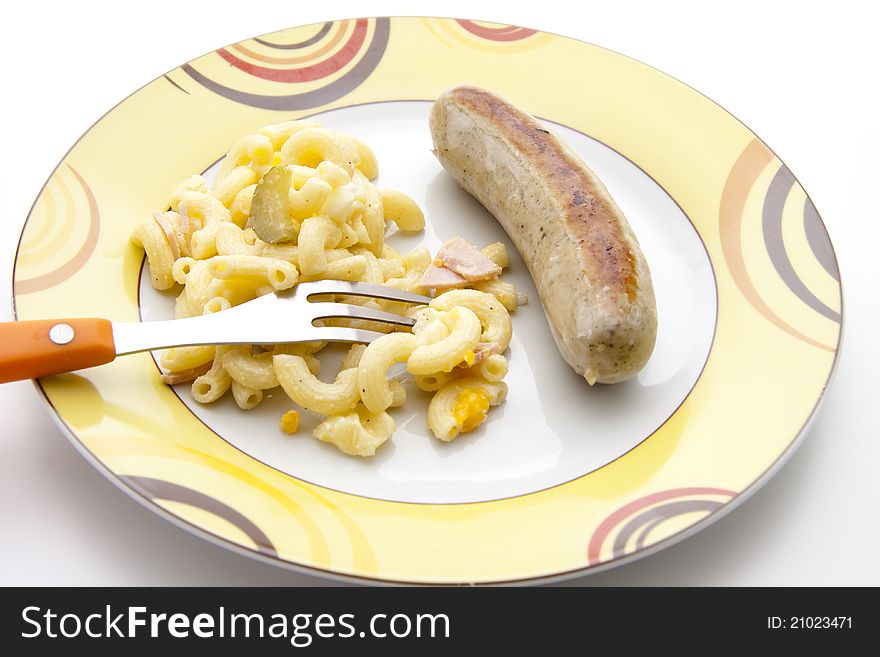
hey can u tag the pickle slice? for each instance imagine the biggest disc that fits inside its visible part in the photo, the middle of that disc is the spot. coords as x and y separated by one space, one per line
270 208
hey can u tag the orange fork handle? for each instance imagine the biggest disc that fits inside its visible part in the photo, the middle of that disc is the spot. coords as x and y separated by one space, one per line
28 352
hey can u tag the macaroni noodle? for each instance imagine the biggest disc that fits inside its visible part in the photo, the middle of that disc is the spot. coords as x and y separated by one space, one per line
461 405
446 353
494 317
358 433
311 393
373 367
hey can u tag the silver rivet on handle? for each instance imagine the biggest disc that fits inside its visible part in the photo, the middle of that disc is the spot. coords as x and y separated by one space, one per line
61 333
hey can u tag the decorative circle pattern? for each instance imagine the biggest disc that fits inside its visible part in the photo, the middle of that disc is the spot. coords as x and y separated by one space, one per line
631 525
336 60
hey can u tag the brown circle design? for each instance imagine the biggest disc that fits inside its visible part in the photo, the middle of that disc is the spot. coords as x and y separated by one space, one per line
741 182
644 514
156 489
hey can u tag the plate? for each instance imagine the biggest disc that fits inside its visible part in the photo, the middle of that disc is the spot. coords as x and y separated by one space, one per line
563 479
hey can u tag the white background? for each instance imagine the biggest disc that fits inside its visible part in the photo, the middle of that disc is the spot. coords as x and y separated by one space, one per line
802 75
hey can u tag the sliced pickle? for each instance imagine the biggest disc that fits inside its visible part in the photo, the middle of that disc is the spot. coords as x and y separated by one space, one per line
270 208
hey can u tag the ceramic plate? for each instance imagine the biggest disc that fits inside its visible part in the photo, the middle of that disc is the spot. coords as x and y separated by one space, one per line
563 479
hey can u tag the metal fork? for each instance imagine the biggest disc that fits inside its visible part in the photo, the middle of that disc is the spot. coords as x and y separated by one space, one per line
36 348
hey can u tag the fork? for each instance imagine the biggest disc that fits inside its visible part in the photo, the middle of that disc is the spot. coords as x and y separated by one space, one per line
35 348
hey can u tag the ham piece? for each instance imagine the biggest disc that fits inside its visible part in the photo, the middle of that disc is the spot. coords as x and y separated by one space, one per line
466 260
457 265
185 376
440 278
482 351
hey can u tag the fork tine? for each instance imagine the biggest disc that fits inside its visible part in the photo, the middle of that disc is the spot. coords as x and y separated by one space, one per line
326 310
361 289
341 334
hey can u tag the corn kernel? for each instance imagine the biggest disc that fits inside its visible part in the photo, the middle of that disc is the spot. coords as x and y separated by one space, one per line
290 422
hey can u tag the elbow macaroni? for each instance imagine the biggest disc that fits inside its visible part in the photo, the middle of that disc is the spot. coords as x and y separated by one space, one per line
209 213
237 180
493 316
246 398
311 393
444 354
210 386
255 372
358 433
280 274
311 146
461 406
316 234
372 369
494 368
402 210
497 253
203 242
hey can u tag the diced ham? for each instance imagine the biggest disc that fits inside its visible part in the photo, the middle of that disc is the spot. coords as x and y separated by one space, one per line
482 351
185 376
440 278
466 260
486 349
170 235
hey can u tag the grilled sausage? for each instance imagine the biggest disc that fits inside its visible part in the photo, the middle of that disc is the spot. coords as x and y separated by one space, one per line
588 268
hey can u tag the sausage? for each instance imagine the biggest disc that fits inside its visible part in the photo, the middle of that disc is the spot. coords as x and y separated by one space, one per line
587 265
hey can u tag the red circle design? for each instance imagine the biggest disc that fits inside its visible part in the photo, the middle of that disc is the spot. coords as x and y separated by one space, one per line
506 33
308 73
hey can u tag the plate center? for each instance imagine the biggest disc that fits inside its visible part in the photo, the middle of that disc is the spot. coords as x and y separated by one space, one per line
553 427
